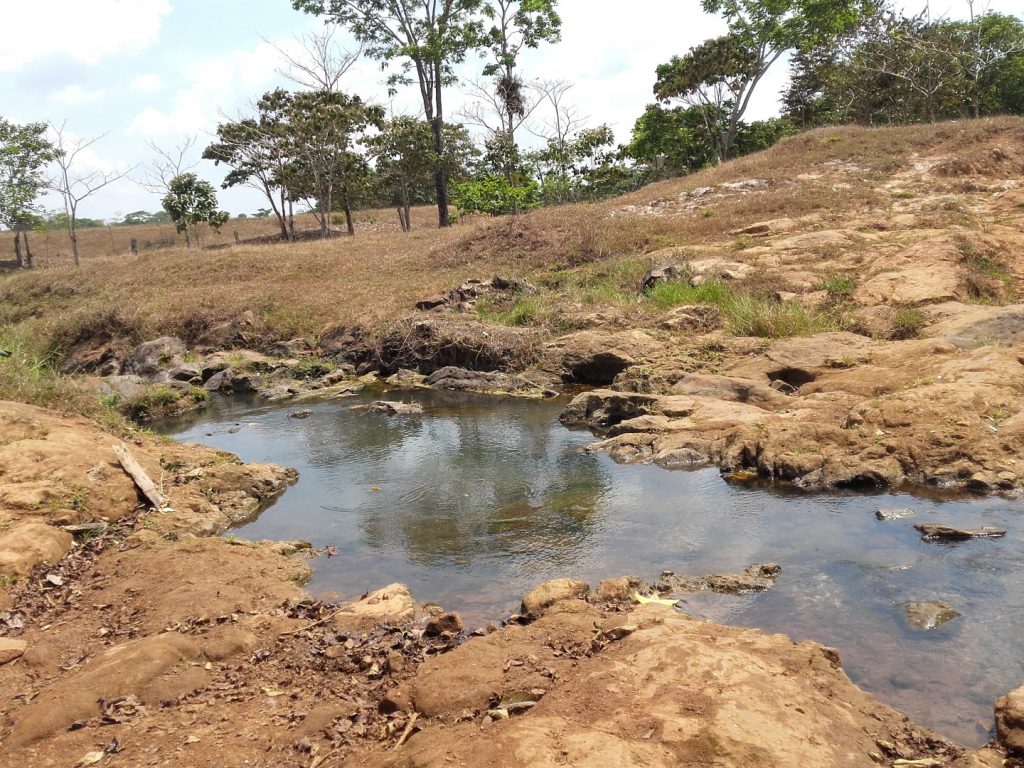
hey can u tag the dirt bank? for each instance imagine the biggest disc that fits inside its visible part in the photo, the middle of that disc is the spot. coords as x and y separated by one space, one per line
144 643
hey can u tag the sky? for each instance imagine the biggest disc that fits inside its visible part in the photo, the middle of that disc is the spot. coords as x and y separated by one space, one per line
138 71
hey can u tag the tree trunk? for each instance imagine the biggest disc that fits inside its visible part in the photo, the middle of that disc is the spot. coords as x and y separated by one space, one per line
188 237
441 175
347 207
17 249
73 233
402 221
28 250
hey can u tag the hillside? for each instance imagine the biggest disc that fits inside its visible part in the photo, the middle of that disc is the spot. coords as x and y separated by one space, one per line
838 310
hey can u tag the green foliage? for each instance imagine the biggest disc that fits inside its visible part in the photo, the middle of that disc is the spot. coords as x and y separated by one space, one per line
899 69
671 142
524 311
676 292
721 74
190 201
143 217
495 196
160 400
24 152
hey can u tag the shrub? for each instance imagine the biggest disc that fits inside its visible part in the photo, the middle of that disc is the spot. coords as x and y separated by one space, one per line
495 196
907 323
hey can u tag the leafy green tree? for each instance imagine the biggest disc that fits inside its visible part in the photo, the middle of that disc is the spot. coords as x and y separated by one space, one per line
515 26
323 129
425 37
257 149
191 201
145 217
24 153
724 72
495 196
404 157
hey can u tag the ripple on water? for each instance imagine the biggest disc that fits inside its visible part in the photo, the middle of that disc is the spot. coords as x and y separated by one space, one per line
478 500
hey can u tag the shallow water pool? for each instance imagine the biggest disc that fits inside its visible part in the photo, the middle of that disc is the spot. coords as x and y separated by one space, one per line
479 499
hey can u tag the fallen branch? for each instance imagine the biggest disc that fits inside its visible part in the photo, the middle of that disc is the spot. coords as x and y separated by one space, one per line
141 479
408 729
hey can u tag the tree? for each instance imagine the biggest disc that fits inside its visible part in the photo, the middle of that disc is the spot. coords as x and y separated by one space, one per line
516 24
324 165
257 150
427 37
191 201
73 184
167 164
322 63
404 158
495 196
24 152
723 73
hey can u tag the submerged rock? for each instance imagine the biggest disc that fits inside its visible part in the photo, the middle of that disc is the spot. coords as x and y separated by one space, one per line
929 615
392 408
754 578
894 513
932 532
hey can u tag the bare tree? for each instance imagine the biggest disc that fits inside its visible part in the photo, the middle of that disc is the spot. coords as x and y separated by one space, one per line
75 185
322 63
490 112
563 120
977 55
167 164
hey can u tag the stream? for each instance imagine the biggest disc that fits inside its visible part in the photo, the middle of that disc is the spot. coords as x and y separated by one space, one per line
479 499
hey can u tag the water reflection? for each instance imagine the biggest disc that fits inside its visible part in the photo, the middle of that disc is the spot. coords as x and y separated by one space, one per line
478 500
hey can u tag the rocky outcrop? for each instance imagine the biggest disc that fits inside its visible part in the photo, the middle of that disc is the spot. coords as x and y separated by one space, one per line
464 297
1010 721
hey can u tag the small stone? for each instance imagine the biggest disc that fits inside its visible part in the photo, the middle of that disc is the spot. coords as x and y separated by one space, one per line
10 649
301 414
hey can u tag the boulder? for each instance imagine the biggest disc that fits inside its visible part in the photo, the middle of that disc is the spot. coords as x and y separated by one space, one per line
1010 721
929 615
10 649
30 544
463 380
596 358
661 275
754 578
151 357
446 622
393 604
187 372
551 592
619 589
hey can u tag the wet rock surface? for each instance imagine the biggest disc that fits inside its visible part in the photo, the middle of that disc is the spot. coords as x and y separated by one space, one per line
929 615
894 513
1009 713
933 532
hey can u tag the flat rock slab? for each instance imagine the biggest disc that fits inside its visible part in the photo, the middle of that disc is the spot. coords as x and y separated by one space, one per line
931 532
929 615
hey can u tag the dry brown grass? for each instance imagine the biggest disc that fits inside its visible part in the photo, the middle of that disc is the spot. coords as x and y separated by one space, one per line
375 278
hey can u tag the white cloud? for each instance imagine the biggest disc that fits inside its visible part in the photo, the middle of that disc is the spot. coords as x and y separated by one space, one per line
147 84
213 86
73 95
85 31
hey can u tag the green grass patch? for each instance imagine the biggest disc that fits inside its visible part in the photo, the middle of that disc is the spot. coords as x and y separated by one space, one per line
677 292
525 310
160 400
750 316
